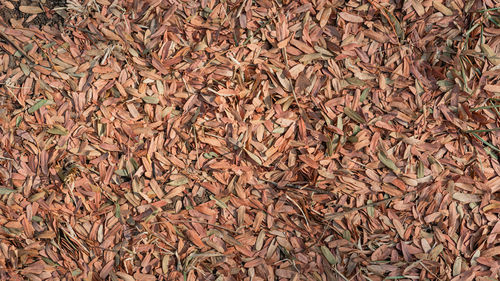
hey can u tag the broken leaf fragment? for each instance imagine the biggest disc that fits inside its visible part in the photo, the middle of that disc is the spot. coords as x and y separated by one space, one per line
179 181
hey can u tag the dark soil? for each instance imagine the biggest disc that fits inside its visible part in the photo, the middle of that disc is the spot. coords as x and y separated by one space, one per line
204 198
48 18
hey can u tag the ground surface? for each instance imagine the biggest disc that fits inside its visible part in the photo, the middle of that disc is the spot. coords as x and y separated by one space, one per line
249 140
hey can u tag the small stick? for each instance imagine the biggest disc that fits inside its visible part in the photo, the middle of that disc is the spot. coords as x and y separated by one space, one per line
11 41
343 213
195 133
200 222
6 158
294 186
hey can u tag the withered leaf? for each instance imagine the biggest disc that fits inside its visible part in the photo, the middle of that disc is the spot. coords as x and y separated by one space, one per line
295 139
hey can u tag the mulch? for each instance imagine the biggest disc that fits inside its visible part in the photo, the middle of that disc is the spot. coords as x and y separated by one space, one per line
249 140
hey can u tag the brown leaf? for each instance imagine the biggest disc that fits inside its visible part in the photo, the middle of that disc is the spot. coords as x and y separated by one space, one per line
350 17
30 9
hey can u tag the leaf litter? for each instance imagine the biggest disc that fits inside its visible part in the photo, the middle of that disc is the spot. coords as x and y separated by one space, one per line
249 140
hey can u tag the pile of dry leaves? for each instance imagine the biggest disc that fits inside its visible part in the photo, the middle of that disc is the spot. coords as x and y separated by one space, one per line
249 140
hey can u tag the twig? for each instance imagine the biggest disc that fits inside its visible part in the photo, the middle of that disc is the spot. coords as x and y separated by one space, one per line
384 12
294 186
339 273
11 41
50 61
428 270
200 222
343 213
195 133
6 158
293 87
300 209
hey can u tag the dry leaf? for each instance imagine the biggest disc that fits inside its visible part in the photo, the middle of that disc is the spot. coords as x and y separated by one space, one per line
251 140
350 17
30 9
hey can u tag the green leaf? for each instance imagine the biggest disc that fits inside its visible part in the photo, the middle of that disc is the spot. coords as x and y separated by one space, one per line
210 155
329 146
48 45
355 81
354 115
340 123
364 94
134 163
28 47
328 255
36 219
346 235
485 107
486 143
117 211
49 261
388 162
18 121
482 131
37 106
399 31
445 85
25 68
490 53
4 191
